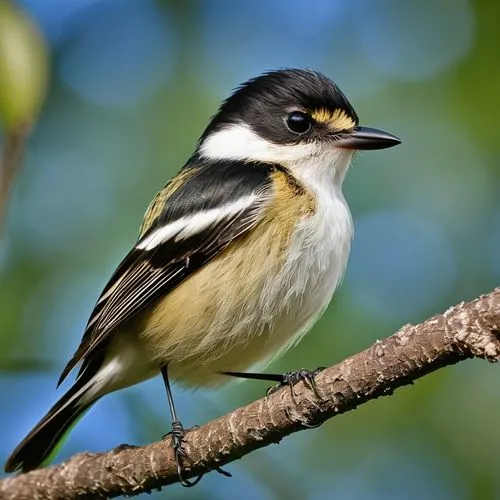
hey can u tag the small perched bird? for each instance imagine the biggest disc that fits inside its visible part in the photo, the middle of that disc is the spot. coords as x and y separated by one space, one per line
237 257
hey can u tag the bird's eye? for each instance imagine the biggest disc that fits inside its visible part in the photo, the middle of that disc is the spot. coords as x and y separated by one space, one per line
298 122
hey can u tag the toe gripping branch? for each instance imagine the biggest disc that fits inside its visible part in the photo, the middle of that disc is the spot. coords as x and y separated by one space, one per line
177 435
178 432
286 379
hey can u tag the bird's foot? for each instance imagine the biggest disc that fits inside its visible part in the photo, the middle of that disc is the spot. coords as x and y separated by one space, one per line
291 378
287 379
177 435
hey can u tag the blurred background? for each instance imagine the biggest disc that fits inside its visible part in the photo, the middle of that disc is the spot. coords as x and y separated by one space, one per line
132 85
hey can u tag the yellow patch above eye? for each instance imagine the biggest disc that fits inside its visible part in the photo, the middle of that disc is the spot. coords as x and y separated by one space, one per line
321 115
337 119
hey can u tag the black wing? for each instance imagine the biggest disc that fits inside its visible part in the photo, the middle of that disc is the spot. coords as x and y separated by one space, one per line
192 220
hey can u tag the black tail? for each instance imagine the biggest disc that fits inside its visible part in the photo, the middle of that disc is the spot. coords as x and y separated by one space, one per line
37 446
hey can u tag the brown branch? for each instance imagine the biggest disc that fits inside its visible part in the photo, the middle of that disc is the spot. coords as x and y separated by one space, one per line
10 162
467 330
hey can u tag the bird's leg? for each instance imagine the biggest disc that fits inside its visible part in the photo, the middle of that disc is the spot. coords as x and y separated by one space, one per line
286 379
178 432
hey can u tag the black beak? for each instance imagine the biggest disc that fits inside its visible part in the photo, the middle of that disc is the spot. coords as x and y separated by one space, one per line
366 138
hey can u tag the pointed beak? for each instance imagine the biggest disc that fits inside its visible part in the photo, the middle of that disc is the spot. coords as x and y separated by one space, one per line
367 138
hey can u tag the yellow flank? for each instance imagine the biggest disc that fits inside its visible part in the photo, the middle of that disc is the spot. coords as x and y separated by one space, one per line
337 119
290 204
155 208
214 320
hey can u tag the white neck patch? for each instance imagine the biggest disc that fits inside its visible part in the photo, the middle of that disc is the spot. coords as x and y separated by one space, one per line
239 142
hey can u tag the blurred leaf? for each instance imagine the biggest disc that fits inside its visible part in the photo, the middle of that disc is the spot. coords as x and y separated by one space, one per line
24 67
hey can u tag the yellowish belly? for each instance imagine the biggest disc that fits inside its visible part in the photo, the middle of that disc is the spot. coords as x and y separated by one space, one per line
224 317
255 299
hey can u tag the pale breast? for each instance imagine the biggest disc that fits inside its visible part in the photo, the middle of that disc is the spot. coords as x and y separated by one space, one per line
315 266
251 303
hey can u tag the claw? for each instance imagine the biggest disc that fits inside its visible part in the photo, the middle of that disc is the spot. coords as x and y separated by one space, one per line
225 473
291 378
177 435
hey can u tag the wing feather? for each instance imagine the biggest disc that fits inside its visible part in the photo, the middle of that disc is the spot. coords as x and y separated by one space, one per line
164 257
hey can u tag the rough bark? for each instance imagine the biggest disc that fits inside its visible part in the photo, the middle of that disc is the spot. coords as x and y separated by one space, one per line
464 331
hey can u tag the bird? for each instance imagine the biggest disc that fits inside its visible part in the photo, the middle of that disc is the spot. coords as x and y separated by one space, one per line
237 257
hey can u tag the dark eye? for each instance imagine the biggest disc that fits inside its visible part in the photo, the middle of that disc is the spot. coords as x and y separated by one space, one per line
298 122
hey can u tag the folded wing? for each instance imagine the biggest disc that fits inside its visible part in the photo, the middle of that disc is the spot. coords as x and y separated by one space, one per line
199 214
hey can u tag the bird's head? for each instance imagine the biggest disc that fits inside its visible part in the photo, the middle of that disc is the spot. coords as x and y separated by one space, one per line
286 117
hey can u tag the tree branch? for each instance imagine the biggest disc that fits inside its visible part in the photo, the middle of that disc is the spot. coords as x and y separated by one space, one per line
466 330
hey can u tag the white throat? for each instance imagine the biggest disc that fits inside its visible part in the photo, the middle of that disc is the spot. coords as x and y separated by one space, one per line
239 142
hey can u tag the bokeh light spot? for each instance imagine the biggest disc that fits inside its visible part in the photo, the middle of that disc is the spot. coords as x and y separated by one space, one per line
415 39
273 35
400 265
120 54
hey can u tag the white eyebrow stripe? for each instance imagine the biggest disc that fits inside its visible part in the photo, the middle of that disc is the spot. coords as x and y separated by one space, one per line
237 141
190 225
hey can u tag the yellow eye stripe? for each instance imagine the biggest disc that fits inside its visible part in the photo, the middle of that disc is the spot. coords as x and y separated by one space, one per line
336 119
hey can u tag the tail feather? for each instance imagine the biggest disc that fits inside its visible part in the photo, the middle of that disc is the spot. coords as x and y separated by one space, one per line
39 444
